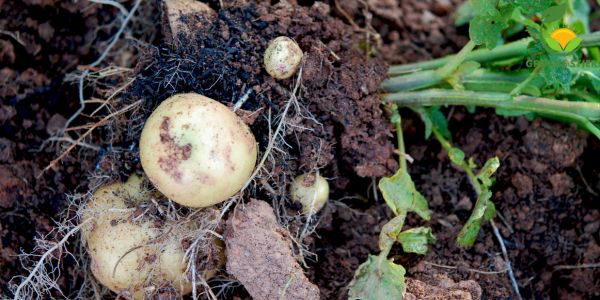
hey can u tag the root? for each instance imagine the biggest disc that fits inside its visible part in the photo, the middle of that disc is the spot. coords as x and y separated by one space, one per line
78 141
40 280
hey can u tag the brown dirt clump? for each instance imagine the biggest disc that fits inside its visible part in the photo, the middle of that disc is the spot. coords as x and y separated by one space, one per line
444 289
259 255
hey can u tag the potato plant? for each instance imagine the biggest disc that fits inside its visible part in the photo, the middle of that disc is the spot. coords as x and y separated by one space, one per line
523 77
196 151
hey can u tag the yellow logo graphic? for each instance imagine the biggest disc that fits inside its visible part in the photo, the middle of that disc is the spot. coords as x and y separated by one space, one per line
563 40
563 36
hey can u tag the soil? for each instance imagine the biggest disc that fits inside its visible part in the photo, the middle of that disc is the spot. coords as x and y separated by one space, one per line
49 39
545 189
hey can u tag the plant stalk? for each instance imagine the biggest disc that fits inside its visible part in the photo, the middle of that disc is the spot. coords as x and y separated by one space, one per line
514 49
435 97
428 78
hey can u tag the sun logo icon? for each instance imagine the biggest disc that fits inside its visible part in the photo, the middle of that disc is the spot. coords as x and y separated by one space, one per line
563 40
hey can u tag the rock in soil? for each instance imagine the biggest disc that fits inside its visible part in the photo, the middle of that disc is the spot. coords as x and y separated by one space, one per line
259 255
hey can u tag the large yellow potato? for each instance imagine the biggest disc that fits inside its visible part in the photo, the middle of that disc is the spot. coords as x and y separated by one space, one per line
134 256
196 151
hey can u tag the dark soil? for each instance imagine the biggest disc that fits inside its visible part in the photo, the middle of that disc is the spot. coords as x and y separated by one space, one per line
50 38
545 188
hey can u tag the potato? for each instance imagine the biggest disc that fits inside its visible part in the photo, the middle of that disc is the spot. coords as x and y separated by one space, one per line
196 151
282 57
134 257
310 190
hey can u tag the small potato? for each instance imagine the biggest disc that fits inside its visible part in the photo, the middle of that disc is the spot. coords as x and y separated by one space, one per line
134 257
196 151
282 57
310 190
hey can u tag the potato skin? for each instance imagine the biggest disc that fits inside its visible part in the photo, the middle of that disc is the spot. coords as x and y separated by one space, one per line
310 190
282 57
196 151
127 255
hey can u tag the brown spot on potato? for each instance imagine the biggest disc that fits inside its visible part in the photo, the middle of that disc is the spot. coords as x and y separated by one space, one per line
228 162
175 153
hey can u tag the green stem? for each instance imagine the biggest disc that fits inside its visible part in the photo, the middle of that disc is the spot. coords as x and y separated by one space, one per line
428 78
455 61
514 49
510 50
397 120
465 167
517 90
545 106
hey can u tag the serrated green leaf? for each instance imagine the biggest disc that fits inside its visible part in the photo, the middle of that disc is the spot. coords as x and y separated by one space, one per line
401 195
468 233
573 44
377 279
556 73
457 156
416 240
486 31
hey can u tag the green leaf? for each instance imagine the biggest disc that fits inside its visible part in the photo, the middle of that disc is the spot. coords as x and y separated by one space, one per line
485 30
415 240
401 195
390 231
488 169
468 233
377 279
556 72
484 7
484 209
554 13
532 7
457 156
424 114
440 122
